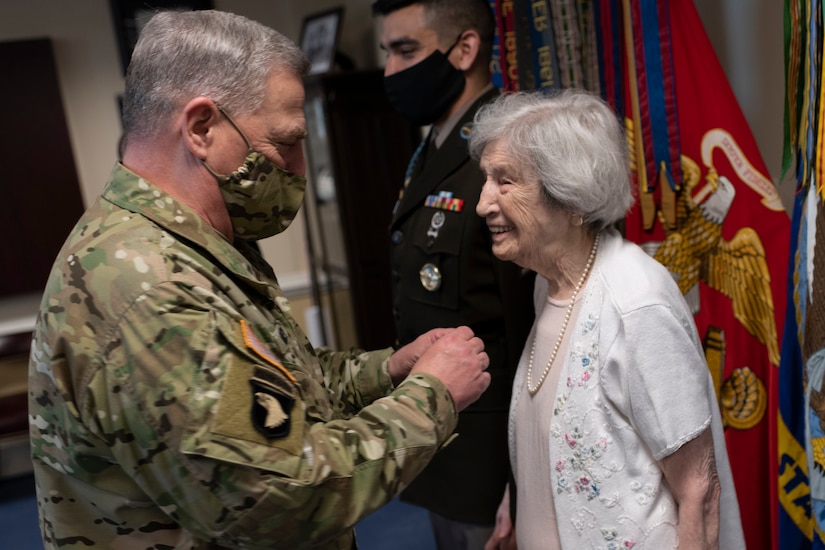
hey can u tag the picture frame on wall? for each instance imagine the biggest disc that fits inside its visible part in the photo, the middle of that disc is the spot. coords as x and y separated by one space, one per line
130 16
319 38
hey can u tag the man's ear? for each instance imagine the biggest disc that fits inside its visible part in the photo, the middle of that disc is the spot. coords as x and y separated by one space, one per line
468 46
198 120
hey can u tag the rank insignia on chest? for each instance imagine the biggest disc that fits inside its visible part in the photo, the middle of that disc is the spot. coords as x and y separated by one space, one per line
445 201
436 223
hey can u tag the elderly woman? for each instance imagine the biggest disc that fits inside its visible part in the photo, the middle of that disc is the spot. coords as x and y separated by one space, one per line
615 434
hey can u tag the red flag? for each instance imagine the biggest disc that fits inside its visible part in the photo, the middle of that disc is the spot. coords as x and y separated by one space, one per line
728 249
505 28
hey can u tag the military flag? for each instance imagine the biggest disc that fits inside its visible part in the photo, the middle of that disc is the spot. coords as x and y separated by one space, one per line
801 422
538 66
496 71
506 33
708 211
706 207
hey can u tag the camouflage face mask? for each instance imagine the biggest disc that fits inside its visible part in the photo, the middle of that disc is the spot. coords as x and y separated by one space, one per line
261 198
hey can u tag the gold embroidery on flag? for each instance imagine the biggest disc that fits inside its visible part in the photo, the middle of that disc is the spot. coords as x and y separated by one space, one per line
736 268
743 399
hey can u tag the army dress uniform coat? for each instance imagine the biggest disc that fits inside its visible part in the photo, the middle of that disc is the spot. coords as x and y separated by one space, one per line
175 403
444 274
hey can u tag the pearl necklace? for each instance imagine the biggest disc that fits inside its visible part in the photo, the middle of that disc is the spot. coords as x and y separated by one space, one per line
533 389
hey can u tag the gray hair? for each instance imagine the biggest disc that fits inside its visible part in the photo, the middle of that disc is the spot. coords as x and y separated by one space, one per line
181 55
571 142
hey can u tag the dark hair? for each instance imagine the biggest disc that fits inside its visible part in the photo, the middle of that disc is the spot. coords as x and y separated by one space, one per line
449 18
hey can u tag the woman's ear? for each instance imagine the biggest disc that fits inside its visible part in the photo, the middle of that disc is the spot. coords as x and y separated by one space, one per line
468 46
198 119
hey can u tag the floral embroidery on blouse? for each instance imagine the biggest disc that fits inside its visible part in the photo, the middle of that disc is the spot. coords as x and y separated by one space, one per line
585 458
579 471
576 471
611 537
644 493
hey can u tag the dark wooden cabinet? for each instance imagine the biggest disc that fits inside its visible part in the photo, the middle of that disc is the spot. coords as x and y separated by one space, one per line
41 195
41 203
358 150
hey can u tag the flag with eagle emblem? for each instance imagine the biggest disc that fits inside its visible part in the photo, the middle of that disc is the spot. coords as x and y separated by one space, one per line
801 422
708 211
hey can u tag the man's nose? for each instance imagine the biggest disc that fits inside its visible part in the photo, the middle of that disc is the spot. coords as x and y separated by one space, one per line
390 67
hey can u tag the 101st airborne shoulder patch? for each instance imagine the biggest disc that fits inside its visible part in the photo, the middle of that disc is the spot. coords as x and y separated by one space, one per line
259 402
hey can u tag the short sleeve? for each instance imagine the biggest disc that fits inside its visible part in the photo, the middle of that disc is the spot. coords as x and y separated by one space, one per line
655 373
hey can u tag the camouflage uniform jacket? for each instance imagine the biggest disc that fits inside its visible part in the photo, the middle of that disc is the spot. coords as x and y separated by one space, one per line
175 403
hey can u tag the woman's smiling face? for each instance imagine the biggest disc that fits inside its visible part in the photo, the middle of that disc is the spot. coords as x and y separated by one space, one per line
524 226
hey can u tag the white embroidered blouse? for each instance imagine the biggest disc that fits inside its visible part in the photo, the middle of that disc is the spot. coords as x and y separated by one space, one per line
633 388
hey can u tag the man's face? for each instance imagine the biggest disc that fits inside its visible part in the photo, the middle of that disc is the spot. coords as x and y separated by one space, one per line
406 38
277 129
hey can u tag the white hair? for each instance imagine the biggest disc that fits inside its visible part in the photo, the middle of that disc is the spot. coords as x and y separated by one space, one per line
571 141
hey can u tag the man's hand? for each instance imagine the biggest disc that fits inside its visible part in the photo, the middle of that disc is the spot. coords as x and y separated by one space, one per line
403 360
457 358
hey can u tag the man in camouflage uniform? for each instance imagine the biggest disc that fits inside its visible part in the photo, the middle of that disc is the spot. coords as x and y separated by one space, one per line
174 402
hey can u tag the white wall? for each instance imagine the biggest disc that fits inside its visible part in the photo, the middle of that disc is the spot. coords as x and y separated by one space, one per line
747 35
748 38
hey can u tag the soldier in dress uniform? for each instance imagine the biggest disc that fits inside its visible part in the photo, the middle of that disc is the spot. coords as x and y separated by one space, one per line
444 273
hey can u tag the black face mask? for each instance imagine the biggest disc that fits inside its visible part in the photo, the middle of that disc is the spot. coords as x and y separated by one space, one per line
424 92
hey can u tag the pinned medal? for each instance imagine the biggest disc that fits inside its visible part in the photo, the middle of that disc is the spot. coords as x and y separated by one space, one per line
430 277
436 223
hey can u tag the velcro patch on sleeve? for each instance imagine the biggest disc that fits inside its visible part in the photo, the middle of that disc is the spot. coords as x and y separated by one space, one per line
259 402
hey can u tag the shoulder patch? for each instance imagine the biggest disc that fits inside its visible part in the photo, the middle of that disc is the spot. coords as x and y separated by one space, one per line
270 409
258 406
254 344
260 400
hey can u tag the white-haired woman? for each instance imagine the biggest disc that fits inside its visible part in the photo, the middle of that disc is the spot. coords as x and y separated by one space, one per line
615 435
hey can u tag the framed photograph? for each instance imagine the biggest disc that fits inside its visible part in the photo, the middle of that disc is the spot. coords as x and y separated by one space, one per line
319 38
130 15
